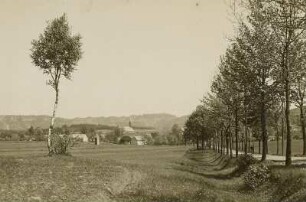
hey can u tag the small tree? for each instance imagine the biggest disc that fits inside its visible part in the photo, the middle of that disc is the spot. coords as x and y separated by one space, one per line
56 52
176 132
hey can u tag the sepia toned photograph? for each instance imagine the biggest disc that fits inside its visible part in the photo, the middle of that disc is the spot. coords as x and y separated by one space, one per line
153 100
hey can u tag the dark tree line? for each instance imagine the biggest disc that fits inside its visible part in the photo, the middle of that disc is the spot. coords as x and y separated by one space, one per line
261 75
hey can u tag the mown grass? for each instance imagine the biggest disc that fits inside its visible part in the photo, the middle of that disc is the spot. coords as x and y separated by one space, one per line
191 177
121 173
54 179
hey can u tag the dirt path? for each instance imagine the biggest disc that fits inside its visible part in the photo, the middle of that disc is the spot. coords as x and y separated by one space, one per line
278 158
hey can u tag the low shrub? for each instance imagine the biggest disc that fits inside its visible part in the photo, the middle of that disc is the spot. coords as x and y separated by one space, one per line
244 161
256 175
61 144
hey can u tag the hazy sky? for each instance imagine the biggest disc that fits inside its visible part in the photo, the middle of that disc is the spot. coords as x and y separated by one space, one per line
140 56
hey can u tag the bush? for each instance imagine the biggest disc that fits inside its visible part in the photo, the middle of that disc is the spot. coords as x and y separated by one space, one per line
148 139
244 161
296 137
160 140
256 175
15 137
61 144
172 140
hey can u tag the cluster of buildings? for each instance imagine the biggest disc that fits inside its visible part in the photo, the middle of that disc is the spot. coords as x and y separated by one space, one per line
135 136
128 135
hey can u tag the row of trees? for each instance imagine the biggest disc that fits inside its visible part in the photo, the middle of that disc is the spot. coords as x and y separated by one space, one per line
32 134
261 74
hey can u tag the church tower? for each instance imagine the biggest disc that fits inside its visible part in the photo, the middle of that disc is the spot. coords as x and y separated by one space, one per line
130 123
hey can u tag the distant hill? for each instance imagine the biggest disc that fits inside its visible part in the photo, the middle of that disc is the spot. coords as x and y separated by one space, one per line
161 122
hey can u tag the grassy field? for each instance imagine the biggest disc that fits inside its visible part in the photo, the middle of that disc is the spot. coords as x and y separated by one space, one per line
118 173
297 147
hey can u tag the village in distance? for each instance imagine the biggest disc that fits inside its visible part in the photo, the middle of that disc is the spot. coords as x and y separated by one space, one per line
229 78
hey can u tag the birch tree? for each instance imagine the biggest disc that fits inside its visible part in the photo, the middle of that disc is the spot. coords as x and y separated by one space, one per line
56 52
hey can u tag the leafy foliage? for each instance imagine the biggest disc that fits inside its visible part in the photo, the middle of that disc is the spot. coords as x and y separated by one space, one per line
256 175
244 161
61 144
57 51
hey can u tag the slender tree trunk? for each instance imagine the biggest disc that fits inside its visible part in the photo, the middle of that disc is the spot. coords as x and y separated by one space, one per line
246 140
241 145
287 109
283 129
287 116
259 146
303 126
263 117
286 72
277 140
202 141
236 131
215 143
249 149
227 143
221 142
242 142
231 146
197 142
218 142
245 128
232 141
264 133
49 137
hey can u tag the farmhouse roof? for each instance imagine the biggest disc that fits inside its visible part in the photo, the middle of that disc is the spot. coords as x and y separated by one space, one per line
77 135
128 129
139 138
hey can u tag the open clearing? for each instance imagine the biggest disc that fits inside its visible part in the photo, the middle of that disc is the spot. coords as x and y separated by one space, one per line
117 173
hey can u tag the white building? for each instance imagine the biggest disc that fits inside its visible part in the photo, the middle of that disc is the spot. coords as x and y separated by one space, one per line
138 140
82 137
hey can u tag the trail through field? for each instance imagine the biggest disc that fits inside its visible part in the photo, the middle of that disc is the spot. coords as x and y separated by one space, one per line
118 173
296 160
194 176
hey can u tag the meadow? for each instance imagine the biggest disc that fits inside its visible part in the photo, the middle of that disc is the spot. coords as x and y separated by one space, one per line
119 173
297 147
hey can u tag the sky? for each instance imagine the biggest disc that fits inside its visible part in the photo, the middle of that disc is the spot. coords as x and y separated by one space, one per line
140 56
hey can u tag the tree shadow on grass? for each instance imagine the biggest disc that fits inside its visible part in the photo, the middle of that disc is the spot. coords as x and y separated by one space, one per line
214 176
199 156
203 166
211 160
